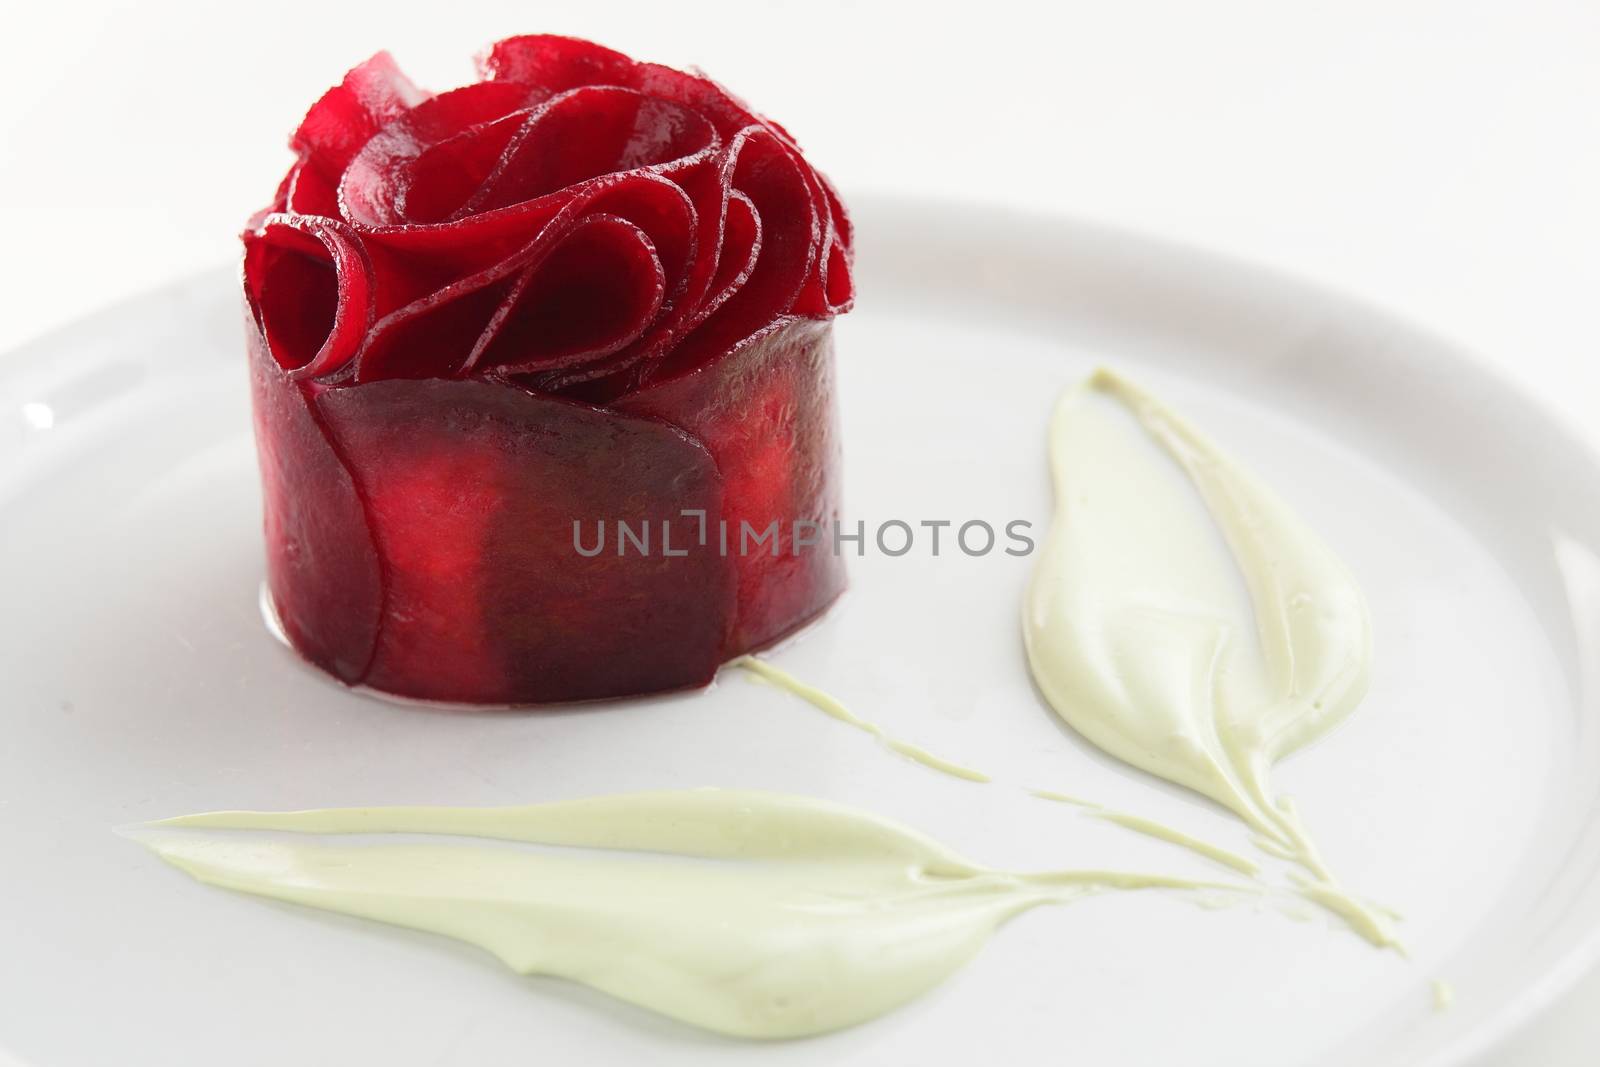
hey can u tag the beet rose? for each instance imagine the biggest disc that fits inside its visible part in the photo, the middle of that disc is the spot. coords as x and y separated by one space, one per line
583 290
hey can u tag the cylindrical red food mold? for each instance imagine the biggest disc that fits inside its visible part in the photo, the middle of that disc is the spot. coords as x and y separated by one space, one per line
540 367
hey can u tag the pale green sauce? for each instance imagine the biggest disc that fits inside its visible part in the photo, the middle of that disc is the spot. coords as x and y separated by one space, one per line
751 914
835 709
1162 832
1131 633
1157 830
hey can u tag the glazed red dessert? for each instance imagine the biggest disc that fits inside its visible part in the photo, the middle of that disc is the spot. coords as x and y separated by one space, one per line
582 289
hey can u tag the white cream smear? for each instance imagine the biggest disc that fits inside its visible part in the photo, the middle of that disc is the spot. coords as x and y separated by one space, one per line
1133 629
758 914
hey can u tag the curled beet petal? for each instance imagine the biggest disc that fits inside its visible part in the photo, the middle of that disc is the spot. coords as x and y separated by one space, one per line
838 283
583 288
309 289
586 133
726 236
763 168
591 295
446 330
374 184
843 229
828 289
309 191
554 62
560 63
726 112
338 125
444 177
741 246
433 337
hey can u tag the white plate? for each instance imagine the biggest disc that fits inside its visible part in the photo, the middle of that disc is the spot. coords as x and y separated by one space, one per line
140 683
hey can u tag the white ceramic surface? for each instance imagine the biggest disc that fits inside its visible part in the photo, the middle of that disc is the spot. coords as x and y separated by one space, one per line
1465 792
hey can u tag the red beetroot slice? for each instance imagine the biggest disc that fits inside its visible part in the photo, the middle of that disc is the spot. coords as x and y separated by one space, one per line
766 414
371 96
774 184
592 295
435 334
323 569
471 490
587 133
559 63
308 287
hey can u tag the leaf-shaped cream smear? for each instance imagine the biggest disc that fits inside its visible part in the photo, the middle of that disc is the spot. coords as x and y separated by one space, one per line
1139 630
748 913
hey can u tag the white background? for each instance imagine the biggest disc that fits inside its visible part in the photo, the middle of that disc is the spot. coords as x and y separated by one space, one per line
1440 159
